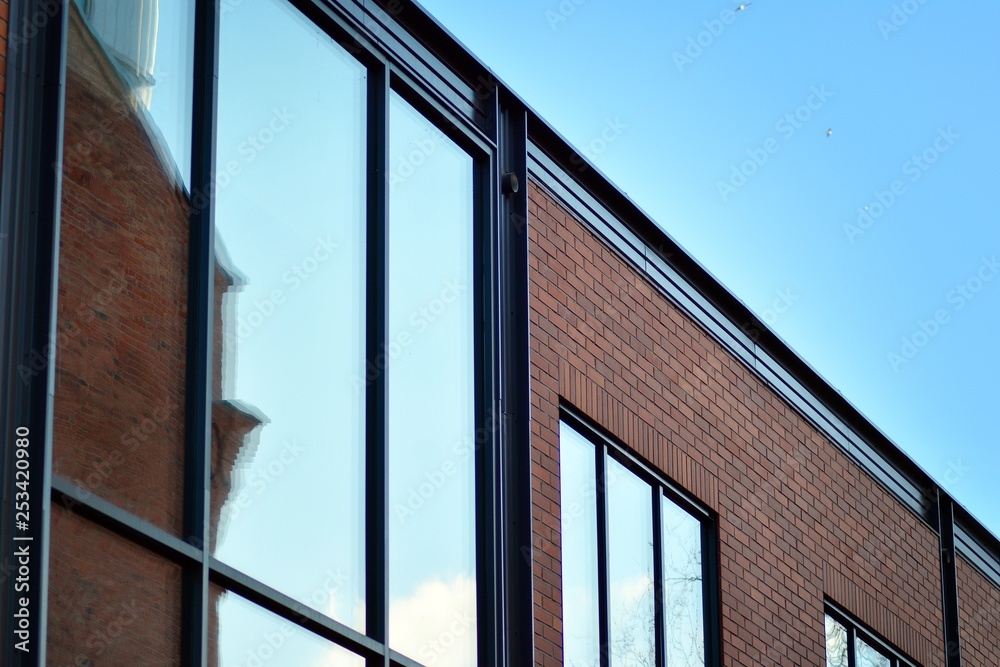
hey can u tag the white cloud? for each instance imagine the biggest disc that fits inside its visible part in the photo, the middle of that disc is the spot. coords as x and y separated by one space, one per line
435 626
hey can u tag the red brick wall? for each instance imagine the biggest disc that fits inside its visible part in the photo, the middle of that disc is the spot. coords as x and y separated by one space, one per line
797 519
979 617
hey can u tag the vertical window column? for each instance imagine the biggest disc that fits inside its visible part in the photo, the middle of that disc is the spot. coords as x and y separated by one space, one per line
633 584
581 600
289 398
429 358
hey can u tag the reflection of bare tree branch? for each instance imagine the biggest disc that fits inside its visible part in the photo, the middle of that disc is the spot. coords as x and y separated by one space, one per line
685 641
628 649
836 644
633 630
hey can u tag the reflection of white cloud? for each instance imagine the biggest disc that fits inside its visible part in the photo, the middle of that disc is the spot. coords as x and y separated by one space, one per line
630 592
339 608
581 634
632 621
437 624
336 656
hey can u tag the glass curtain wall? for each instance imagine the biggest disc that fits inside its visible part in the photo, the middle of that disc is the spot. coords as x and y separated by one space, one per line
288 415
121 333
431 390
293 361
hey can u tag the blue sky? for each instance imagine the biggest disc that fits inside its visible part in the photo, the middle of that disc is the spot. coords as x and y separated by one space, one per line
905 88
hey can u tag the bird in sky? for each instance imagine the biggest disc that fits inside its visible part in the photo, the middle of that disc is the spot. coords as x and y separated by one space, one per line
743 6
829 132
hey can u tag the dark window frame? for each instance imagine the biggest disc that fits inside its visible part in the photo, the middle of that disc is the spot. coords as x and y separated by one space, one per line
857 630
607 447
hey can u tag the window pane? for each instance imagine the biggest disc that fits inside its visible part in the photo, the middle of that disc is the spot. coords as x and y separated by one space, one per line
684 613
868 656
288 409
244 634
431 384
111 602
836 644
147 46
630 568
118 427
577 480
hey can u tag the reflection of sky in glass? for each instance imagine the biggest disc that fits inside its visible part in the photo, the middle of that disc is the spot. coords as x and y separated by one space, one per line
866 656
290 215
152 43
630 568
836 644
431 394
577 480
683 587
250 635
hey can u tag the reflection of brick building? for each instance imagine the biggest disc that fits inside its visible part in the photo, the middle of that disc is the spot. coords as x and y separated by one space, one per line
121 385
233 422
125 223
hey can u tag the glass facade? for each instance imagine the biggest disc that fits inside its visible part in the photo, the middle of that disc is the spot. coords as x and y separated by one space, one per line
431 391
315 304
250 635
288 410
652 606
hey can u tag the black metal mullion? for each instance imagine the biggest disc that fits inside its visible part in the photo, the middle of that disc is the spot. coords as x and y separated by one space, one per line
603 579
949 580
659 585
514 556
856 632
84 503
711 591
488 409
457 128
201 296
376 399
30 195
292 610
399 660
